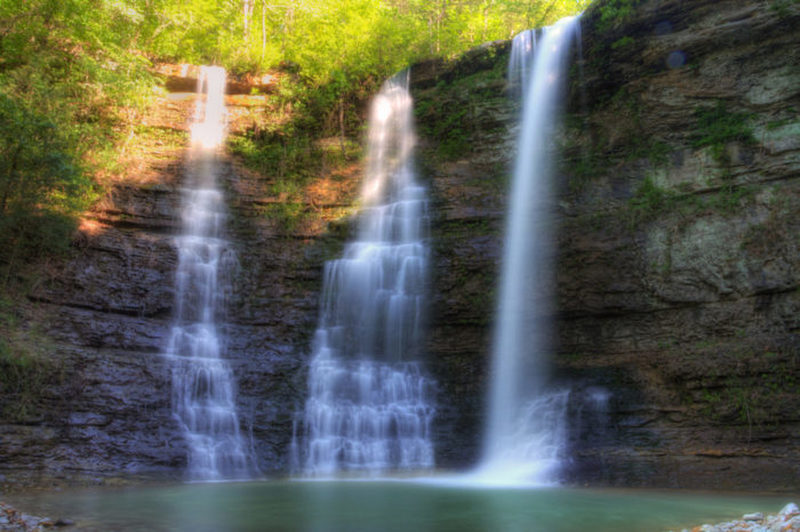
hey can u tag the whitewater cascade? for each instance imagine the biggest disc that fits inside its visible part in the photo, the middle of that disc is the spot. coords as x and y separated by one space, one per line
526 430
203 387
369 407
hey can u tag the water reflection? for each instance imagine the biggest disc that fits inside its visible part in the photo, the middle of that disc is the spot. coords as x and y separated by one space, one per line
317 506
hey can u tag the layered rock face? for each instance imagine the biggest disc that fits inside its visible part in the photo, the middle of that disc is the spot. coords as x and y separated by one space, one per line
677 230
105 408
678 256
106 313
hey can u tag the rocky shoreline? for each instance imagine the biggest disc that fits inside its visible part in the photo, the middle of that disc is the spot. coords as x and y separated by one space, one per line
12 519
787 520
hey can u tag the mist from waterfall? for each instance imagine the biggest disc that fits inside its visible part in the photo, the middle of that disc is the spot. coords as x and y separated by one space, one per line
203 386
526 429
369 406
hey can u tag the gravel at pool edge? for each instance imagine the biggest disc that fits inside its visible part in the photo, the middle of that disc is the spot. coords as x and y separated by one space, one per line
787 520
12 519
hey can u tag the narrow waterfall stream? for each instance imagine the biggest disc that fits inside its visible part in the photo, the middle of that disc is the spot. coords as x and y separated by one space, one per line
526 428
203 387
369 406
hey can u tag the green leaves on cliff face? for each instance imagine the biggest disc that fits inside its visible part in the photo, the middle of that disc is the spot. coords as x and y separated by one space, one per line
37 169
67 78
25 369
717 126
42 186
612 12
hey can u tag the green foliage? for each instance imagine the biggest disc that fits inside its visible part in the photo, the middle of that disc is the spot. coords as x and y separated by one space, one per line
42 186
622 42
25 368
289 164
278 156
613 12
451 111
36 165
22 378
74 77
729 199
332 46
650 199
287 215
784 8
716 126
68 80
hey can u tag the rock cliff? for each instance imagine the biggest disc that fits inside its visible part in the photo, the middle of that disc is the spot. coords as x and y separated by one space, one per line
104 407
678 312
677 268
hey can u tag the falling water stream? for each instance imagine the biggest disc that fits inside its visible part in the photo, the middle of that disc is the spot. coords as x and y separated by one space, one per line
369 407
203 387
526 429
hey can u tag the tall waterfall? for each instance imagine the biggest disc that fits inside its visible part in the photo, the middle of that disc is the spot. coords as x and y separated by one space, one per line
527 421
203 387
369 406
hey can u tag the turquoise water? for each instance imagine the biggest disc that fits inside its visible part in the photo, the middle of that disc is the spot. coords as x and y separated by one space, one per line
387 506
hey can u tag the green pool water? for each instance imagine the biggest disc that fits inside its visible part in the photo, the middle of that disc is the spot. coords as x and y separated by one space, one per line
388 506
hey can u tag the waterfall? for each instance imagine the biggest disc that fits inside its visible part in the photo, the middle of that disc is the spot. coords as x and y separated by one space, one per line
526 430
369 406
203 387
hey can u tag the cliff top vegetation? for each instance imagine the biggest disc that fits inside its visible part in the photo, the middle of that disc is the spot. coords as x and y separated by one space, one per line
76 74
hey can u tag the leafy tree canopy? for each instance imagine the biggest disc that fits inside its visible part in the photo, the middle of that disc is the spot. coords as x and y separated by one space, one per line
75 73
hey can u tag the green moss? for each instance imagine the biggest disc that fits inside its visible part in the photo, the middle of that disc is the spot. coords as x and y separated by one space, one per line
650 199
27 368
450 113
632 142
742 380
716 126
583 168
614 12
622 42
784 8
729 199
287 216
277 155
652 149
775 124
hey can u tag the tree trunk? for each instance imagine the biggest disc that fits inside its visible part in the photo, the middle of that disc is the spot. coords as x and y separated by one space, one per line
263 29
12 172
341 126
439 21
247 12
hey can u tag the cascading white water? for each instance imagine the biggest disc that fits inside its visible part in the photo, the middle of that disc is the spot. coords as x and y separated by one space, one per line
203 388
520 61
526 430
369 406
